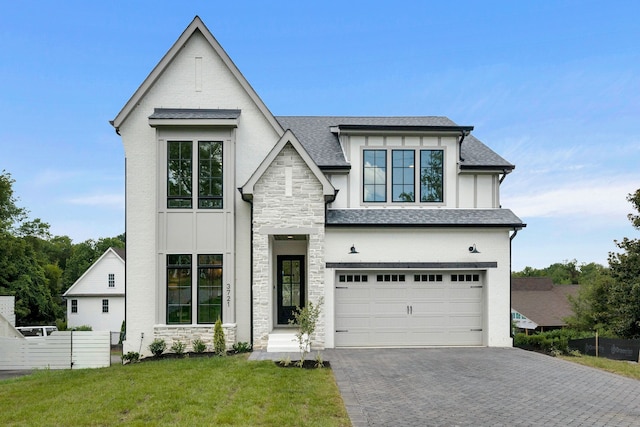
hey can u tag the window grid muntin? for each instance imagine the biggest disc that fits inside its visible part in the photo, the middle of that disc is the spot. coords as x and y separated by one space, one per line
210 291
180 174
403 176
112 280
74 306
105 305
179 289
210 174
374 175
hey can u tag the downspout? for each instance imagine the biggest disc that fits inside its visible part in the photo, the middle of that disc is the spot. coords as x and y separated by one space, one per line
504 175
513 236
250 201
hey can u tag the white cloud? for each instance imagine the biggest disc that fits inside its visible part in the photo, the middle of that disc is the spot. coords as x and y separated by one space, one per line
100 200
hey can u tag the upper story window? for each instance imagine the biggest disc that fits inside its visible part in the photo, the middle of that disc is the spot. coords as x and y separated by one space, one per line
431 175
403 175
180 173
74 305
209 175
112 280
375 175
179 170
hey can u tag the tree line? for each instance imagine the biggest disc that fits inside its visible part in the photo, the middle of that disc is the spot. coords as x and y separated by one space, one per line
37 267
609 296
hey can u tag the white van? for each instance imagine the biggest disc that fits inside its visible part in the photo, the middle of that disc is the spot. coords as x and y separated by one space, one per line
36 331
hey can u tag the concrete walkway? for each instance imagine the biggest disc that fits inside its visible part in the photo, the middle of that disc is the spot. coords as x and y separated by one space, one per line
479 387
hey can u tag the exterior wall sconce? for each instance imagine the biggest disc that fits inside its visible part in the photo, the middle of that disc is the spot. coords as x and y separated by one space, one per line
353 250
473 250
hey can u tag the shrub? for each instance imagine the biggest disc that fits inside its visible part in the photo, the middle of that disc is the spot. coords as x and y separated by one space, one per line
554 342
219 341
178 347
82 328
199 346
242 347
157 347
131 357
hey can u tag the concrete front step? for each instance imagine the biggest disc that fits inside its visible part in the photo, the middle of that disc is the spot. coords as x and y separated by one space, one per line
283 342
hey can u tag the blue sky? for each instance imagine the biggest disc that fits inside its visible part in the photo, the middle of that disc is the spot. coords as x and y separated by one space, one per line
554 87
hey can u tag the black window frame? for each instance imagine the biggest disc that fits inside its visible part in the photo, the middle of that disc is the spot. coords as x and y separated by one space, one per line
215 199
210 266
112 280
403 170
182 264
74 306
105 306
178 200
374 172
432 177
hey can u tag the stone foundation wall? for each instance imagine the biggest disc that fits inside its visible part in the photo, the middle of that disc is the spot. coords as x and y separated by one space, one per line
186 334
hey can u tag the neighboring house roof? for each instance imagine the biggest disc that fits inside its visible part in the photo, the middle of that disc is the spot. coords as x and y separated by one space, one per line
317 134
424 217
541 301
195 26
72 291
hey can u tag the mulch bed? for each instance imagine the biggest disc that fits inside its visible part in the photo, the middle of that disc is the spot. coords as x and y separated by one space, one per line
308 364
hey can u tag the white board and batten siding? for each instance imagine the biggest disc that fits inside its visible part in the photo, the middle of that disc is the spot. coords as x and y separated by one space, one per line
409 309
61 350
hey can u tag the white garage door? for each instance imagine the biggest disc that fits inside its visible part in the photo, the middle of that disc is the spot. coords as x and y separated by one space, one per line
377 309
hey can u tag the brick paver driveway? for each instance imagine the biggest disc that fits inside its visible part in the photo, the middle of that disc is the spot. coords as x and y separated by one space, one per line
479 387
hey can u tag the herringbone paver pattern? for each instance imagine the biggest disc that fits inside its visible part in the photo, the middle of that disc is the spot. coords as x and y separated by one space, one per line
479 387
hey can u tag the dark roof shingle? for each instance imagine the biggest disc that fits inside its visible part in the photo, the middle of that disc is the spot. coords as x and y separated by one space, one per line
424 217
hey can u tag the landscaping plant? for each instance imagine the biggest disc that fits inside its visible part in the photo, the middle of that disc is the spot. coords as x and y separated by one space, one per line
219 341
157 347
178 347
306 319
199 346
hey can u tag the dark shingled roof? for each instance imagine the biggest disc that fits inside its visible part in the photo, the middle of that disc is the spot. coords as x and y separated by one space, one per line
193 113
538 299
121 253
314 133
424 217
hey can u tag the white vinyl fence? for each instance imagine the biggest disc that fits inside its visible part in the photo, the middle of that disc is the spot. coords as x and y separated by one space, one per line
61 350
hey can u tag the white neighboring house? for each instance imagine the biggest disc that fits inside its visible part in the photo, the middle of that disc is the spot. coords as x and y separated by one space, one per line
97 298
234 213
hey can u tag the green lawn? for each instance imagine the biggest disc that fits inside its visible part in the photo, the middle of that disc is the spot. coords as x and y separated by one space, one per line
620 367
193 392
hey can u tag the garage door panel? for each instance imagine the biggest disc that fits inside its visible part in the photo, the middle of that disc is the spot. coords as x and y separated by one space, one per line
408 313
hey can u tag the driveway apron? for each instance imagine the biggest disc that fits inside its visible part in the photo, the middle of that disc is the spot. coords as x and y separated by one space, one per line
479 387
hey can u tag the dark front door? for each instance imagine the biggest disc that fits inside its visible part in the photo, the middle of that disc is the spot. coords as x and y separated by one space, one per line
290 292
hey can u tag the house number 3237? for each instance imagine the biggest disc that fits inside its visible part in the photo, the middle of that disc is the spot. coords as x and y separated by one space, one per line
228 294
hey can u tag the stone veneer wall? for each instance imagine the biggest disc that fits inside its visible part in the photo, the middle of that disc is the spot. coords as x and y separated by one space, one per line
272 209
186 335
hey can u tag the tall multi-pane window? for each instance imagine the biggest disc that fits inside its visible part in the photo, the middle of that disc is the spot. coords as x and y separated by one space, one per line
431 175
403 175
105 305
375 175
178 289
210 175
74 305
112 280
209 288
179 174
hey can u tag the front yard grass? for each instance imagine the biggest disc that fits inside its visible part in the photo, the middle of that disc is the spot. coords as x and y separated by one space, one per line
196 391
620 367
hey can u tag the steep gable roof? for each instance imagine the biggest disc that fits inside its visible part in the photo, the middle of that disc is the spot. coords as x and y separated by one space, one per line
196 26
288 138
118 252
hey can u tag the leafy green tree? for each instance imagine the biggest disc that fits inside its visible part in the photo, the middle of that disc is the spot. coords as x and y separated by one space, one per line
592 306
84 254
10 213
625 269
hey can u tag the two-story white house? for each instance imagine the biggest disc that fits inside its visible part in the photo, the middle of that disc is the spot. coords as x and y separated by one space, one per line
234 213
96 299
